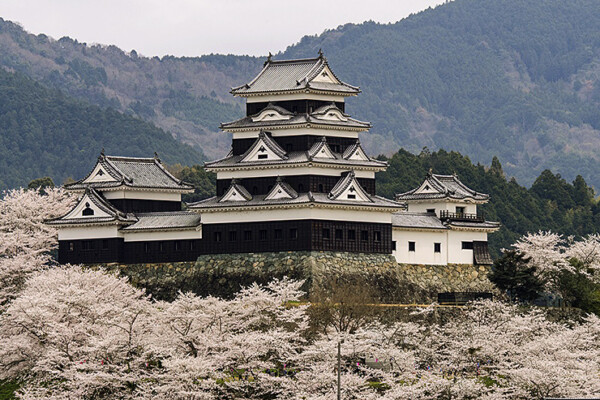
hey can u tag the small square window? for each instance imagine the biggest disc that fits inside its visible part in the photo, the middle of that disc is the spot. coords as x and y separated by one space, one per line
460 210
437 247
293 233
339 234
364 235
232 236
218 236
262 234
326 233
467 245
263 156
393 245
71 246
411 246
278 234
431 210
352 235
247 235
351 196
377 236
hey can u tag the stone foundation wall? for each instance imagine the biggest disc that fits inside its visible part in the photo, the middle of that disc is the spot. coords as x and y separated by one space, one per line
224 274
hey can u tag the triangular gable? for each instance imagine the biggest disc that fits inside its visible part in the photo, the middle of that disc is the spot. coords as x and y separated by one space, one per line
356 152
264 149
88 207
281 190
348 188
236 192
321 149
428 187
100 174
326 76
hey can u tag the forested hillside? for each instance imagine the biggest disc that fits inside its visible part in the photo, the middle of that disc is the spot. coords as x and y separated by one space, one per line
45 133
519 79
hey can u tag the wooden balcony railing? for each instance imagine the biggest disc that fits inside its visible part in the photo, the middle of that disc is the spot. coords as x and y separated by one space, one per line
447 215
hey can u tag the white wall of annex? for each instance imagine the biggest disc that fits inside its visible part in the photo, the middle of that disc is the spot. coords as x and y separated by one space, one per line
424 247
456 255
470 208
253 134
88 232
141 195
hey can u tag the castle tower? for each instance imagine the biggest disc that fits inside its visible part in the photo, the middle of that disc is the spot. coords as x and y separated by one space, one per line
297 177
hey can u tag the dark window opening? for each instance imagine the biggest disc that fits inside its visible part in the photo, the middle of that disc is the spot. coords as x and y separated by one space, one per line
431 210
393 245
161 246
352 196
87 210
339 234
254 190
218 237
87 245
247 235
178 245
232 236
320 188
105 244
191 245
467 245
326 233
262 234
437 247
71 246
278 234
364 235
377 236
263 156
460 210
352 235
411 246
293 233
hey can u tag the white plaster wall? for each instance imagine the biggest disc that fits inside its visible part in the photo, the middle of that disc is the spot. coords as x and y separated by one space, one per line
89 232
296 213
424 247
256 173
298 131
442 205
142 195
456 255
155 236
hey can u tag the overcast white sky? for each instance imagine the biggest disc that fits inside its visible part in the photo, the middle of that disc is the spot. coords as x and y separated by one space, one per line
196 27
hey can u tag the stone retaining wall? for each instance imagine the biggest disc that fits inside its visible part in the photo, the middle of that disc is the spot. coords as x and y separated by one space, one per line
224 274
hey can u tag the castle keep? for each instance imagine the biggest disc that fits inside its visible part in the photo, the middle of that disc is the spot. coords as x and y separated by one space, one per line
296 179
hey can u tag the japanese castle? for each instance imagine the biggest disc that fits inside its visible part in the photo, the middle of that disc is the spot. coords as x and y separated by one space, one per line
296 179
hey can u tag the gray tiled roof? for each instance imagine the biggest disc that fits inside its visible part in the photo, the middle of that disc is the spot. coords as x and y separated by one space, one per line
133 172
292 75
303 198
296 120
417 221
165 221
469 224
115 215
446 187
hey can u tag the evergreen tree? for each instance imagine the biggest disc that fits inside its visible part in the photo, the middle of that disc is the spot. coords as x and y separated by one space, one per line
512 274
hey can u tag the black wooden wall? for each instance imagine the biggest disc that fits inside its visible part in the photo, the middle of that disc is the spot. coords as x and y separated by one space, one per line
300 183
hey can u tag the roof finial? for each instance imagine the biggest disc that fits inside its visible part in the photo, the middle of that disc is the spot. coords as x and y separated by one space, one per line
430 172
279 179
156 155
102 156
268 59
320 53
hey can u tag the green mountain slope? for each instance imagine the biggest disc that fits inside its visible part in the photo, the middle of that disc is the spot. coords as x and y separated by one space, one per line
45 133
519 79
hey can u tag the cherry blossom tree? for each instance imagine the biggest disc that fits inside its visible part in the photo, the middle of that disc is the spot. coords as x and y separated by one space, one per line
25 241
